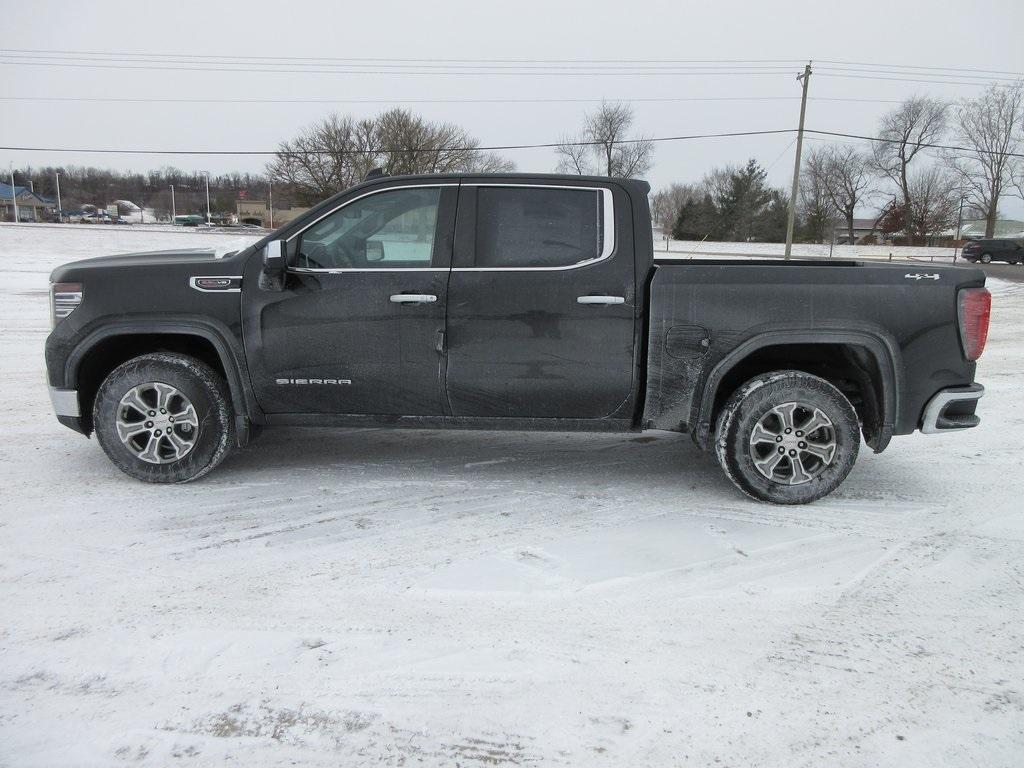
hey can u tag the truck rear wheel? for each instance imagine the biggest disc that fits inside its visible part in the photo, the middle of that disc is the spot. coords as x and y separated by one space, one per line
787 437
163 418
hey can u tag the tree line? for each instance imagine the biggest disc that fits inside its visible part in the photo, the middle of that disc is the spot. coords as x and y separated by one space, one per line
80 185
931 162
916 188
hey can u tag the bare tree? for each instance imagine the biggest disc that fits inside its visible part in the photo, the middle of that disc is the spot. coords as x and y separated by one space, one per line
323 158
818 212
605 147
665 203
572 156
844 176
990 126
339 150
934 202
918 121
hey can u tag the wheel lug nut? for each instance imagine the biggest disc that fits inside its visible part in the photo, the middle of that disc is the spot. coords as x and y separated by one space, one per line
791 453
781 449
149 425
803 444
778 438
158 433
152 413
799 433
788 430
163 410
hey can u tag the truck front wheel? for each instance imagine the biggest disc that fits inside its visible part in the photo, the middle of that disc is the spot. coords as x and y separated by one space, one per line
163 418
787 437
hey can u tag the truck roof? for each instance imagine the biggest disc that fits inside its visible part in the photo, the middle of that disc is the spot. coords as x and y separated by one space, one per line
562 178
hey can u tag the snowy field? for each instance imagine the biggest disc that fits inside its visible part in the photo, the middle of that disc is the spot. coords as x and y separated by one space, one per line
676 249
349 598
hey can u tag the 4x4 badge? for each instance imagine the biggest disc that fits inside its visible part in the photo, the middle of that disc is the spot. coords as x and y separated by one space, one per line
919 276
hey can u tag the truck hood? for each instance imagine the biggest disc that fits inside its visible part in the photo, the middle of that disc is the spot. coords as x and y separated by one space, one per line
206 258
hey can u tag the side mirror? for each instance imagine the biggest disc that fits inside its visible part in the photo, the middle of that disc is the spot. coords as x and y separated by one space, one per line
274 266
274 256
374 250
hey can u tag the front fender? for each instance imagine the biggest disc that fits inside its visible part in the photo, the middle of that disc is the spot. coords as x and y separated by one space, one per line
217 333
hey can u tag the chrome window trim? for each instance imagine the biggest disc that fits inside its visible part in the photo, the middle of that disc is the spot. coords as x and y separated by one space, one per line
367 194
608 229
337 270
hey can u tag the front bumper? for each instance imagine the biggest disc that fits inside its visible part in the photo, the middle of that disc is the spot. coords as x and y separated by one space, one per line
65 402
65 405
952 409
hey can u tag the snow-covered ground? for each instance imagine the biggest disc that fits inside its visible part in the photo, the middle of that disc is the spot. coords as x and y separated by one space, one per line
703 249
346 598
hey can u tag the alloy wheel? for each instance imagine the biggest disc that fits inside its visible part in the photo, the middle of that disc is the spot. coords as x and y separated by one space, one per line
157 423
793 443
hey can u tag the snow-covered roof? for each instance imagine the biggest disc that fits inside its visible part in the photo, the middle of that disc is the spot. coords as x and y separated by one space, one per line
21 192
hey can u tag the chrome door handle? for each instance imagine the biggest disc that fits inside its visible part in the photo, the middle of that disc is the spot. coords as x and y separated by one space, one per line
600 300
413 298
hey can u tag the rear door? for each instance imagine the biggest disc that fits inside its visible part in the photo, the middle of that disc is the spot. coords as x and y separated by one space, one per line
541 301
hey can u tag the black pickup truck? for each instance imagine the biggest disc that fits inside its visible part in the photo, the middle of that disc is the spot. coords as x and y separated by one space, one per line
511 302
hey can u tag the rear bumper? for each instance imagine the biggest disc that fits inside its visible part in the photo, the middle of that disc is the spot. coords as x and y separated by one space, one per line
952 409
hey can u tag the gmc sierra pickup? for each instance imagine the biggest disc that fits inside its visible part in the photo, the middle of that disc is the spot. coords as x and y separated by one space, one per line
511 302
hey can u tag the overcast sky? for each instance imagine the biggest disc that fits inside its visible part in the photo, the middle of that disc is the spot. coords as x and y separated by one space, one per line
976 35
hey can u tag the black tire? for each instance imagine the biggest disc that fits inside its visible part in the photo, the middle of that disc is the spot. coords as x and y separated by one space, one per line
753 403
204 389
986 258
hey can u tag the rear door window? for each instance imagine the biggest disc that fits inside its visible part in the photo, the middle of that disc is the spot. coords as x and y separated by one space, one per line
539 227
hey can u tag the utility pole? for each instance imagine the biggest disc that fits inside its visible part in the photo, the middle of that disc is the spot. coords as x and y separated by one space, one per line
14 194
60 210
791 219
206 175
959 223
174 213
270 184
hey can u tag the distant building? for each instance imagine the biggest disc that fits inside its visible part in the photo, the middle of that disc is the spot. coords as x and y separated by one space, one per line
1011 229
257 212
31 206
862 228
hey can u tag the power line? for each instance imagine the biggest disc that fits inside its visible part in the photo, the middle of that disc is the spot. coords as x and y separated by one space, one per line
51 53
417 71
507 147
384 64
916 66
964 77
20 51
511 147
913 80
922 145
148 100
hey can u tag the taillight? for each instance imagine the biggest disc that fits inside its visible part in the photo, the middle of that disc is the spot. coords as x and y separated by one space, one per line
975 308
64 298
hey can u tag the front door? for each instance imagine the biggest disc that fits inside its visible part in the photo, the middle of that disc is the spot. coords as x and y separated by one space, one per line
541 302
358 328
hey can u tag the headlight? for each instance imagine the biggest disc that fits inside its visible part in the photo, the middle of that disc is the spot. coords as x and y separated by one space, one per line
64 297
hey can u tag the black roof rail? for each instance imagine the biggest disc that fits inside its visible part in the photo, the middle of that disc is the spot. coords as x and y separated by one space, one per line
374 173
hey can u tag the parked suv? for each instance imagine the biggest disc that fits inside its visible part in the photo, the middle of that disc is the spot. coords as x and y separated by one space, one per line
985 251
